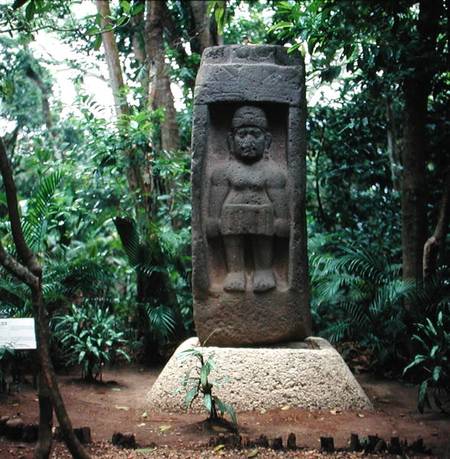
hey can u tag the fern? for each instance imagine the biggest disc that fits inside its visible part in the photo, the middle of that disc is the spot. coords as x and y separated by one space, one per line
357 296
161 319
40 209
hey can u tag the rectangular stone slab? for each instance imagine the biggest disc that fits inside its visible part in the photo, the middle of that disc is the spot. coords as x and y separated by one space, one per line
250 270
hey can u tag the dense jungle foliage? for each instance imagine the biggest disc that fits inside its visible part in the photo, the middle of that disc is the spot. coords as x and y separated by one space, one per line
104 197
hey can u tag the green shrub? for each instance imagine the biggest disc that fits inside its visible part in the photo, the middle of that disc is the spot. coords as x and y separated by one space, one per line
357 295
433 362
91 336
197 383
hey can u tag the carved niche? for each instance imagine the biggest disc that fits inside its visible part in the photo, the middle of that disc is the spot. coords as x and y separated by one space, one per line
250 272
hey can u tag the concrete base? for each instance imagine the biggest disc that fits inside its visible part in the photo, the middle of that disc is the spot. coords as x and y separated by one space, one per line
309 374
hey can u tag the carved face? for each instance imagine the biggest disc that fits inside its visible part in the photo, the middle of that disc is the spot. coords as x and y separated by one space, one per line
249 143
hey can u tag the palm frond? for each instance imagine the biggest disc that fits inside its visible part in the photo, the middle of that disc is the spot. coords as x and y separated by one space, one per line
39 210
162 320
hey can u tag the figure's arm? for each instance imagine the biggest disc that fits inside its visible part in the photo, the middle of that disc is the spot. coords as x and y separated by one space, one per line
218 192
276 189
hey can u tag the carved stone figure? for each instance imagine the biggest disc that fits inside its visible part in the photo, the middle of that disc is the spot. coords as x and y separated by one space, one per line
248 203
250 271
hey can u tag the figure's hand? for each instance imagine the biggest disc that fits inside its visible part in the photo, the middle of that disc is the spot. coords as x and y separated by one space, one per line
281 227
212 227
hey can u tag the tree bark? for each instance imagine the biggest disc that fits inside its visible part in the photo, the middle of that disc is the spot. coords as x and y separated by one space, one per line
416 91
112 57
413 180
44 95
138 46
160 94
435 244
202 28
44 444
391 133
49 376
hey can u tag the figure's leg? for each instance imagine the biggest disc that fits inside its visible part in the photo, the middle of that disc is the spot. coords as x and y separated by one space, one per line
234 251
263 278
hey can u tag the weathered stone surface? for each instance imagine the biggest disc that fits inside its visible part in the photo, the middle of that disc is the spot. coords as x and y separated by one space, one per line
250 273
309 374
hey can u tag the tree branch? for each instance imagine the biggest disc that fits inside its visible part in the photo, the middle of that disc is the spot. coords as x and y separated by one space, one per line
26 256
16 269
434 244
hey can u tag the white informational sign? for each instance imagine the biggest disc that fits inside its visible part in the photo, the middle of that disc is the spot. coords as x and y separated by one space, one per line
17 333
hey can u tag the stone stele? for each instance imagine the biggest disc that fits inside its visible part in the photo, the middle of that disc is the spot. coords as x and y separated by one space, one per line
250 272
310 375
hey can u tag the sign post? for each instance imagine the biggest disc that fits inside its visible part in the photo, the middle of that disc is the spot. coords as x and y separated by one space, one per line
18 334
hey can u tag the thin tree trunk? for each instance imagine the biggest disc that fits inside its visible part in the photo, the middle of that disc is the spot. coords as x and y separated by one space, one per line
44 444
435 244
391 133
43 339
44 95
138 46
112 57
160 94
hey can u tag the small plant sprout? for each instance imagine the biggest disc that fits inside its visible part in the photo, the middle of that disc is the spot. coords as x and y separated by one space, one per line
197 383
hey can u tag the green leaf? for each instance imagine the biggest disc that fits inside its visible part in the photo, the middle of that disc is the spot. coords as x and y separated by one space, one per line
191 395
437 373
204 373
97 42
207 402
423 397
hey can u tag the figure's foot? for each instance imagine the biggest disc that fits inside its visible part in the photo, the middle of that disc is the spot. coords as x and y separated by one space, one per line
235 282
263 280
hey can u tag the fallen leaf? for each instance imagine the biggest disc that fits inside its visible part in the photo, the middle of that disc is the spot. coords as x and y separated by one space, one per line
253 453
123 408
219 447
285 407
360 415
144 414
164 428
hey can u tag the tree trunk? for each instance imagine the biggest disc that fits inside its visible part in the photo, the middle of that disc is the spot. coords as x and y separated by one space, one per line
416 90
112 57
140 183
435 244
44 444
202 24
49 377
391 133
44 95
138 45
413 180
160 94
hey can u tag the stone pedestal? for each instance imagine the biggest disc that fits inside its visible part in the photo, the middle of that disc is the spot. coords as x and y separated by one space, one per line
309 374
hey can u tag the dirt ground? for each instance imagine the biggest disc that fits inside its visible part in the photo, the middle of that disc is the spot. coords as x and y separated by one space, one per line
119 405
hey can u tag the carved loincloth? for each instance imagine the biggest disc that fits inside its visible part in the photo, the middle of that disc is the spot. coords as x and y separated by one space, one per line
247 219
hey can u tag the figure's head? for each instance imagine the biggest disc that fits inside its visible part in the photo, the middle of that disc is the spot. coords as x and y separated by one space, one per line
249 138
